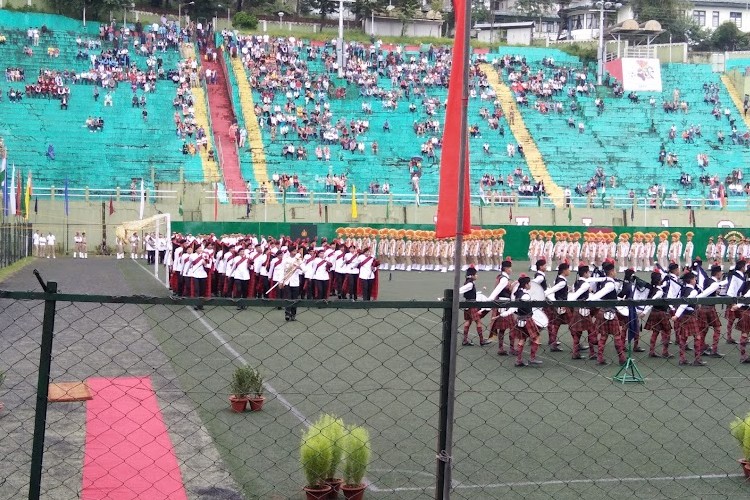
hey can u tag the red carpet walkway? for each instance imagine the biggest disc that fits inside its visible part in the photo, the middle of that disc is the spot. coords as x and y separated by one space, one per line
128 451
222 115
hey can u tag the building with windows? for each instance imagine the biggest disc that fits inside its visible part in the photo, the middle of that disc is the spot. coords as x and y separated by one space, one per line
546 24
711 14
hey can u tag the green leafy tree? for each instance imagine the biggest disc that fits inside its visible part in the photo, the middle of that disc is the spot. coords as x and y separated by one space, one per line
729 37
537 8
480 13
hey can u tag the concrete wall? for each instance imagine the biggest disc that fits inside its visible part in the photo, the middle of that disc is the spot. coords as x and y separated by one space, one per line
93 217
385 26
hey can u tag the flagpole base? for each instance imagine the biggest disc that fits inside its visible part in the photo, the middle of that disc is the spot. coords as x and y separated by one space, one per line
629 373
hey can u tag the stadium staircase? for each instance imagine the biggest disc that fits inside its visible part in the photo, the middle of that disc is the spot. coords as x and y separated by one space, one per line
222 118
736 98
254 137
521 133
200 104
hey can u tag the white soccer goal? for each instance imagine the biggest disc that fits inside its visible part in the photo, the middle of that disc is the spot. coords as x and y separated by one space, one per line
160 224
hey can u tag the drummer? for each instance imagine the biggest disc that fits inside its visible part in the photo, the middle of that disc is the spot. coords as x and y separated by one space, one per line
471 314
582 320
525 325
503 319
606 320
558 316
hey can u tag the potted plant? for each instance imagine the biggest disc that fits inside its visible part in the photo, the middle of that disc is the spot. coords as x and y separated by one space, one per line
240 388
315 456
740 429
356 444
256 391
333 429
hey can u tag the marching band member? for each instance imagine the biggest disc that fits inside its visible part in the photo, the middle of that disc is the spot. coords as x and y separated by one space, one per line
687 254
607 322
241 276
368 274
574 247
662 250
291 270
743 324
658 317
736 280
525 326
502 320
275 272
721 248
472 314
708 316
675 249
558 316
351 273
623 252
686 321
582 319
731 251
320 276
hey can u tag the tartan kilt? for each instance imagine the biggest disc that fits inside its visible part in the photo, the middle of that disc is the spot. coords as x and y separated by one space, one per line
556 318
502 323
658 321
472 314
580 323
688 325
608 327
709 317
730 314
743 325
528 330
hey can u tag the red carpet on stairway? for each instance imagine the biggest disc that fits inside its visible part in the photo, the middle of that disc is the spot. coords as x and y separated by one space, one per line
128 452
222 116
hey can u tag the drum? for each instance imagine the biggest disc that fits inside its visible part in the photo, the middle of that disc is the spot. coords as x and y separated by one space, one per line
539 318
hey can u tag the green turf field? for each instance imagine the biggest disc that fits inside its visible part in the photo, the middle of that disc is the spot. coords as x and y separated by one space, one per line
562 430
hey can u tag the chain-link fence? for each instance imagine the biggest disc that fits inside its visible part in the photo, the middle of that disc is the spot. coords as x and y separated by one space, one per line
15 242
159 420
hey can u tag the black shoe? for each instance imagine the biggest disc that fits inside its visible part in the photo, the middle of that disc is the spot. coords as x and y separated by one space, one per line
603 362
698 362
502 353
731 341
521 364
287 318
555 349
639 349
654 355
293 318
683 363
746 360
592 356
198 308
485 342
467 342
688 348
715 354
583 347
576 357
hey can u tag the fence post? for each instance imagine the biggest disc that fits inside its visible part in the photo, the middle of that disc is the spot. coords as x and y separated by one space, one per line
40 420
443 408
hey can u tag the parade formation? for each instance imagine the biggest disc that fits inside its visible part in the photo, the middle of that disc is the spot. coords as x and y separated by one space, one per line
347 268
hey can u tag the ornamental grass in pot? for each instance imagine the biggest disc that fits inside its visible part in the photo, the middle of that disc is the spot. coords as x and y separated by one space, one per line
357 451
240 388
315 457
740 429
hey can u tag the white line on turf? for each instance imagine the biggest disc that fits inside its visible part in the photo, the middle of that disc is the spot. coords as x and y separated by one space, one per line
605 480
231 350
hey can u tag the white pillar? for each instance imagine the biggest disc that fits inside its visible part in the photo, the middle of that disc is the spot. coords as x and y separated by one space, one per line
156 251
600 70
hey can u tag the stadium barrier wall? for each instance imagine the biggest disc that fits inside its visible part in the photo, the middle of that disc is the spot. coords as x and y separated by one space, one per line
150 381
93 216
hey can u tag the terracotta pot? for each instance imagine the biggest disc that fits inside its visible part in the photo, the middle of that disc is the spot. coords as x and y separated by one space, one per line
320 493
238 404
745 467
256 404
354 492
335 484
